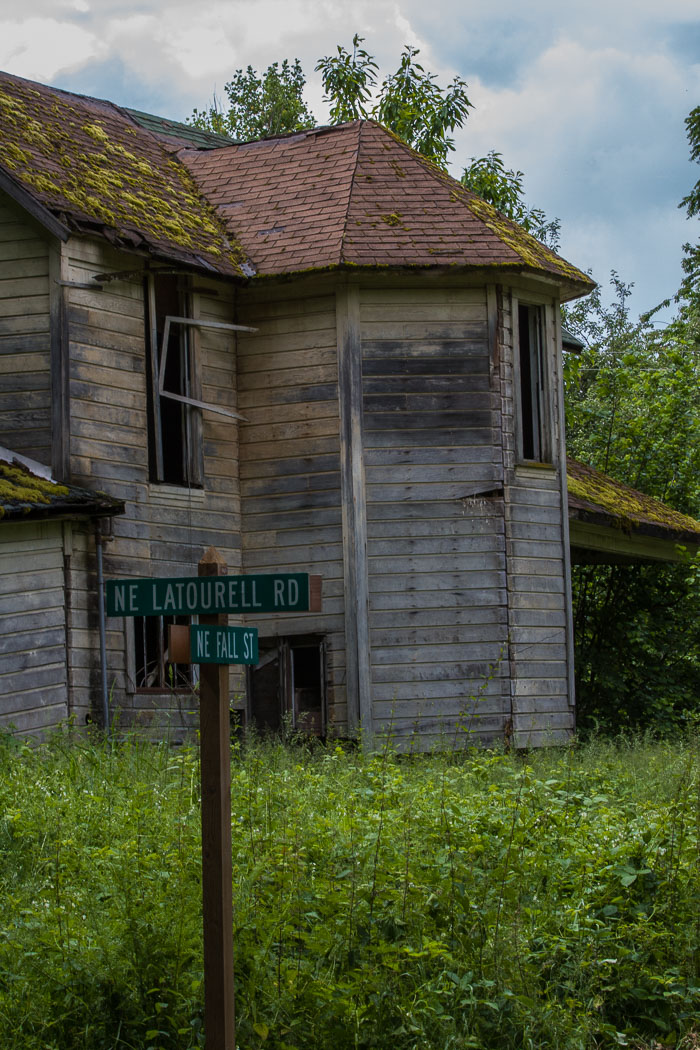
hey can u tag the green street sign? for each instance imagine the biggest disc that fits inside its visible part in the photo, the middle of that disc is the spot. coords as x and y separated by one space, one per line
213 644
254 593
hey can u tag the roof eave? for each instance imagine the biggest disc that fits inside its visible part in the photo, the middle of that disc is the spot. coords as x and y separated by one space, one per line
598 538
568 288
61 512
33 207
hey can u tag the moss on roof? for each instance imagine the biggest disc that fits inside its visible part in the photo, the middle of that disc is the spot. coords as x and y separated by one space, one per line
87 160
593 492
531 251
24 494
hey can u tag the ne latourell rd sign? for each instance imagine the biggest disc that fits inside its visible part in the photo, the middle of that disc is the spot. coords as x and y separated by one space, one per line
214 595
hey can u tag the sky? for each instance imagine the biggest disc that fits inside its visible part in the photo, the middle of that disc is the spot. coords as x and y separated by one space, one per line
588 100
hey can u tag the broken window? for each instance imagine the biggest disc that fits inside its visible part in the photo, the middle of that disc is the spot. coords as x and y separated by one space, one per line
174 428
534 423
288 685
152 667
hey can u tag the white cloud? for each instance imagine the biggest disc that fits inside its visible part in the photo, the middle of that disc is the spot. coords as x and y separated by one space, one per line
39 47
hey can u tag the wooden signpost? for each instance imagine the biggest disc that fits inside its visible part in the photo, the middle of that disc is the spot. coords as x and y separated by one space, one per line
213 644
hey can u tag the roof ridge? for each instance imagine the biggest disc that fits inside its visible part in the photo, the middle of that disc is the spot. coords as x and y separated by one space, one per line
351 186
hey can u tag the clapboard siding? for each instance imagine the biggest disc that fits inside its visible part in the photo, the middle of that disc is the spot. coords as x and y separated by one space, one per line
436 554
25 374
33 675
536 568
166 528
290 461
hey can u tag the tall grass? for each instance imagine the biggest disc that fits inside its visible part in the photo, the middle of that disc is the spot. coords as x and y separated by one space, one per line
485 900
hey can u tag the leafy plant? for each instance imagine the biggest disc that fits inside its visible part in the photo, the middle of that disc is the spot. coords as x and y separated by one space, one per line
380 901
493 182
259 105
410 103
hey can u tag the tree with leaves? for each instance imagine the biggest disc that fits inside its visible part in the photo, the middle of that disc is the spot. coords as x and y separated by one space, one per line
503 187
690 287
258 106
633 411
409 102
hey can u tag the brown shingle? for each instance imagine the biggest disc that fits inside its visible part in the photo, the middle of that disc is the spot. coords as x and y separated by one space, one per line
355 195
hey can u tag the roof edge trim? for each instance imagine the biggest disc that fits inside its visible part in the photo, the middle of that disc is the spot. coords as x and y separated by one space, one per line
38 212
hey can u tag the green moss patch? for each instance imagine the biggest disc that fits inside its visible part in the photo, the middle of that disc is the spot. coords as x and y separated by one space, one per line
19 486
626 505
88 161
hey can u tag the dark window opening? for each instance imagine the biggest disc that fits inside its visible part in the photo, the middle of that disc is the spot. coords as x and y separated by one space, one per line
152 668
174 443
534 423
288 685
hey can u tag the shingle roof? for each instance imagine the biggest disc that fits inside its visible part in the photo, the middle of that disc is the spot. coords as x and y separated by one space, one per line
178 134
351 195
355 195
596 498
26 495
91 166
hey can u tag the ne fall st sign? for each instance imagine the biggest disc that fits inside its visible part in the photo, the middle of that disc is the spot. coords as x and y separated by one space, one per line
212 595
214 644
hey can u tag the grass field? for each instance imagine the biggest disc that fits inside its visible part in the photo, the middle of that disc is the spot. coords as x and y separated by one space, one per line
448 901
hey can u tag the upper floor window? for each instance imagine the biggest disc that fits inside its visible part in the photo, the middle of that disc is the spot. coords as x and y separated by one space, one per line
534 429
174 427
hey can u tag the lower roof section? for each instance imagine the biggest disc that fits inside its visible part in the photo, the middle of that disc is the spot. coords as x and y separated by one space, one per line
610 522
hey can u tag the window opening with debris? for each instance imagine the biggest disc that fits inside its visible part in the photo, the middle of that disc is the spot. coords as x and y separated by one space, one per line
174 428
288 685
152 668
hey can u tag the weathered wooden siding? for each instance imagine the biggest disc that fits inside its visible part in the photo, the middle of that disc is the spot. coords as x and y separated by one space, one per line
536 569
25 375
165 528
33 675
290 467
435 531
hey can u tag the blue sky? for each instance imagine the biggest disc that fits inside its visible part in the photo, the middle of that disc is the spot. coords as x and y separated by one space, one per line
587 100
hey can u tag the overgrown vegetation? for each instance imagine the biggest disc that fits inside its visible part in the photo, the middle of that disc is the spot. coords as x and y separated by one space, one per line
482 900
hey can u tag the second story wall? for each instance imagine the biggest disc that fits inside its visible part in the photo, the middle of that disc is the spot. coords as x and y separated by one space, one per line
167 524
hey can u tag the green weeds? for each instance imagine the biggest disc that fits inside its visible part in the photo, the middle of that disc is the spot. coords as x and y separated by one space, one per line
477 901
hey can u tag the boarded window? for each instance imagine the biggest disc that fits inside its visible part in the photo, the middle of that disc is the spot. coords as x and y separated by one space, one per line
152 667
535 439
288 685
174 428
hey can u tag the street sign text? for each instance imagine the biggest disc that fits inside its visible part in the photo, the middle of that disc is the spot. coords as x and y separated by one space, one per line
213 595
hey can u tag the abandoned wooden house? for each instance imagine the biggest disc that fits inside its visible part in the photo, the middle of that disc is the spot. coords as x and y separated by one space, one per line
362 379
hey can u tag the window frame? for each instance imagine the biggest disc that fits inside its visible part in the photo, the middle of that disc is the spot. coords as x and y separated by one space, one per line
284 648
191 472
185 676
535 440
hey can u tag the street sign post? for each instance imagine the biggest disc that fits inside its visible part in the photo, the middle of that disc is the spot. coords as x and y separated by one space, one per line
213 644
